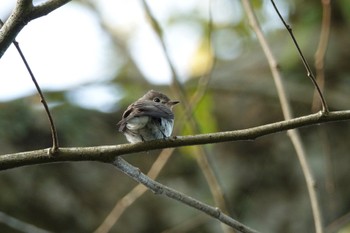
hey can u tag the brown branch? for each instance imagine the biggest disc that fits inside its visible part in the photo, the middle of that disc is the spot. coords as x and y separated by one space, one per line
42 100
161 189
108 153
134 194
14 24
46 8
306 65
23 13
287 112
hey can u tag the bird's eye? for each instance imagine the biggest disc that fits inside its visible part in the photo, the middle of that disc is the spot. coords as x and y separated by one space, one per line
156 100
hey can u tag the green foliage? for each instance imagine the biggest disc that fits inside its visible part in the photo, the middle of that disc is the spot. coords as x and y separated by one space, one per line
205 115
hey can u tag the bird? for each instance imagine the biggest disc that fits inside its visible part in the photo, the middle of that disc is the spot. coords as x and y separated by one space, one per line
148 118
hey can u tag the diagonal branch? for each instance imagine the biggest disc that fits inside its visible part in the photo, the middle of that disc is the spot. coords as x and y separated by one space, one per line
306 65
135 193
46 8
19 225
296 139
287 112
160 189
108 153
23 13
42 100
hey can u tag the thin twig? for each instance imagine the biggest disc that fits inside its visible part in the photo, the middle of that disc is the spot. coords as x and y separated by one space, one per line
161 189
23 13
42 100
287 112
306 65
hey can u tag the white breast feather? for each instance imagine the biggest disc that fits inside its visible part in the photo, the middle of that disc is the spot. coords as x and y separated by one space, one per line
136 123
168 127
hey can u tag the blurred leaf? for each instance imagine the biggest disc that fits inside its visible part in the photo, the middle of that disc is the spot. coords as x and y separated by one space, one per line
202 60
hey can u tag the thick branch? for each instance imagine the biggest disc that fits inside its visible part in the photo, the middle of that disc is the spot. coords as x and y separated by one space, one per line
23 13
47 7
107 153
14 24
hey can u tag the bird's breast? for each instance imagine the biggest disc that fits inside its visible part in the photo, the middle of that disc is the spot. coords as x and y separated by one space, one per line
136 123
167 125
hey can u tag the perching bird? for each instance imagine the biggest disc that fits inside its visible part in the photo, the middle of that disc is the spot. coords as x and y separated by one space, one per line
149 118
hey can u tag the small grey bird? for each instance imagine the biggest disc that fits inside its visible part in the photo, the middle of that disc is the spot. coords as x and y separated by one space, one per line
149 118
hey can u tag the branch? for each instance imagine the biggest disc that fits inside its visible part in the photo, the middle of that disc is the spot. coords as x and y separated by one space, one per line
46 7
306 65
42 100
160 189
23 13
286 109
108 153
293 134
127 200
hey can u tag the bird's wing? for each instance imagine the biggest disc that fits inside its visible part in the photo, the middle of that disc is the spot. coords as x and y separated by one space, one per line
145 108
153 109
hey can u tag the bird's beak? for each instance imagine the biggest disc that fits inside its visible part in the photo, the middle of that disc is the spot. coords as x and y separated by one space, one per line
173 102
